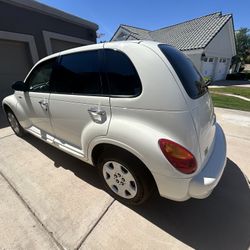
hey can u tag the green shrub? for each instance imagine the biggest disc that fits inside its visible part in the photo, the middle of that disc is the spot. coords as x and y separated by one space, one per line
207 79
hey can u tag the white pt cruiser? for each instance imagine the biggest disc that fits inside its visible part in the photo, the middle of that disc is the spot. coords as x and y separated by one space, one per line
139 111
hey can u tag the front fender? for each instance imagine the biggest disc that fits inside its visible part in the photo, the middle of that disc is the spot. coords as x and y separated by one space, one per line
19 111
11 102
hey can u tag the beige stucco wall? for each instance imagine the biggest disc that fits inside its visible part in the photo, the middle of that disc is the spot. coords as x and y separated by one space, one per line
222 44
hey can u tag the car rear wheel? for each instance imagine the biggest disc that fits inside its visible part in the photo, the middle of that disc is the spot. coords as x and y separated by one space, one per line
125 178
15 125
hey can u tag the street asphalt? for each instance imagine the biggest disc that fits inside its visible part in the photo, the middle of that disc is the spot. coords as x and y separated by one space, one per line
50 200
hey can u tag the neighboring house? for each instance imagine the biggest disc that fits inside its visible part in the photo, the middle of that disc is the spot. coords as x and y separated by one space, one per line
208 40
29 31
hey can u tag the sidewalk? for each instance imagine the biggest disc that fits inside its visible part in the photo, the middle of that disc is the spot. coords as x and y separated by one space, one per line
231 83
50 200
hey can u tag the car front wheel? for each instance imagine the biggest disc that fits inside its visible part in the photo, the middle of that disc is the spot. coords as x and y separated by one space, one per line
15 125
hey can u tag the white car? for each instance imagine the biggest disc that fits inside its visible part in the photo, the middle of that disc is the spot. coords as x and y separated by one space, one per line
137 110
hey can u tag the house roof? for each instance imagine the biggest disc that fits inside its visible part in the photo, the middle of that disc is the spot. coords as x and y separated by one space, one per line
137 33
48 10
192 34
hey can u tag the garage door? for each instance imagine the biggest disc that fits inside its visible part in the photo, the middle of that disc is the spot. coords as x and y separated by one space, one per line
15 62
221 68
59 45
208 66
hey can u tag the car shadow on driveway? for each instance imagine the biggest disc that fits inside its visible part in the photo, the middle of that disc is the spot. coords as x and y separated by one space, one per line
80 169
221 221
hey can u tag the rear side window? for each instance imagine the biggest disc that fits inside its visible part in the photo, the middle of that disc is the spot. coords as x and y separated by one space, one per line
122 77
189 76
78 73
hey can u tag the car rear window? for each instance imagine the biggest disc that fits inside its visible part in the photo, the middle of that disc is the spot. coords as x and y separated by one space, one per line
189 76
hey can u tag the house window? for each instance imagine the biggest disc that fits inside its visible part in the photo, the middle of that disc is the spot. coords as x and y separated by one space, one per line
223 60
205 59
211 59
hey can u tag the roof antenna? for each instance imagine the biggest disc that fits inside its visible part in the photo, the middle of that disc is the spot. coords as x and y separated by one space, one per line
99 35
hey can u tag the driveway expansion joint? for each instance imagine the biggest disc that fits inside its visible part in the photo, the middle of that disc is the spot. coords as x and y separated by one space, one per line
95 224
5 136
31 211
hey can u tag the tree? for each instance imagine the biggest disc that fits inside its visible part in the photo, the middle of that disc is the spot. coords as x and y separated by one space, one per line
243 43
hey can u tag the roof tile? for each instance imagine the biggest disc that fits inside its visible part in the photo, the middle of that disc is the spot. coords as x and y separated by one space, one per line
192 34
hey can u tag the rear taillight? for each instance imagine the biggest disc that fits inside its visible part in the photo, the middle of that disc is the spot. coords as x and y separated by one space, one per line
178 156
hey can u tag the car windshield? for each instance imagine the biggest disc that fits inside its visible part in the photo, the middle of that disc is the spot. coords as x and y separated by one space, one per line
189 76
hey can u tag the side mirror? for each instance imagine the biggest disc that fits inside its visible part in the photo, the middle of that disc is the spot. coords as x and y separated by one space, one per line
20 86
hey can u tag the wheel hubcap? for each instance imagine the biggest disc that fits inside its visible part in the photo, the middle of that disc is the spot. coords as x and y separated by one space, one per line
13 122
119 179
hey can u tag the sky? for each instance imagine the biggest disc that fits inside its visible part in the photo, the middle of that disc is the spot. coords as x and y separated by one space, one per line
149 14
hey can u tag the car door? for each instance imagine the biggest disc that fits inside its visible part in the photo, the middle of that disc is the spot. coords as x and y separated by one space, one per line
35 101
79 109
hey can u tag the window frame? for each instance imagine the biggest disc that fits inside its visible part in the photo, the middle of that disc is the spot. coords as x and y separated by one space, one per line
104 79
107 78
100 73
27 83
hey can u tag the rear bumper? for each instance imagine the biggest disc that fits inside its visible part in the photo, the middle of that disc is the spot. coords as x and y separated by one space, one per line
201 185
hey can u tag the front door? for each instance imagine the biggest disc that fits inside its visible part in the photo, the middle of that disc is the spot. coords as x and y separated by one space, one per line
79 110
36 100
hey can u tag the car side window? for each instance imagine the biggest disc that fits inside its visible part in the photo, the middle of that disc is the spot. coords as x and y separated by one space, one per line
122 76
78 73
39 79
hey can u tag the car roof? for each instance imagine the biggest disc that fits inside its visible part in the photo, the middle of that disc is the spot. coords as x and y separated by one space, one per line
97 46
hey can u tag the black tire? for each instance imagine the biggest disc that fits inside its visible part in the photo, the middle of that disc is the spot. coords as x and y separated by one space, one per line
14 123
141 175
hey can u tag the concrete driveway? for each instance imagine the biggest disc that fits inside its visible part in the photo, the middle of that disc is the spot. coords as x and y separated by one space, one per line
50 200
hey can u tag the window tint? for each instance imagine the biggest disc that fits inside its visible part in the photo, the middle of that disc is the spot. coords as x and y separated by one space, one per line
122 76
39 79
78 73
191 79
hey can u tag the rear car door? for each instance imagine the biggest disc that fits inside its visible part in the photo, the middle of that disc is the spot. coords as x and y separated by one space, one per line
36 100
79 109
